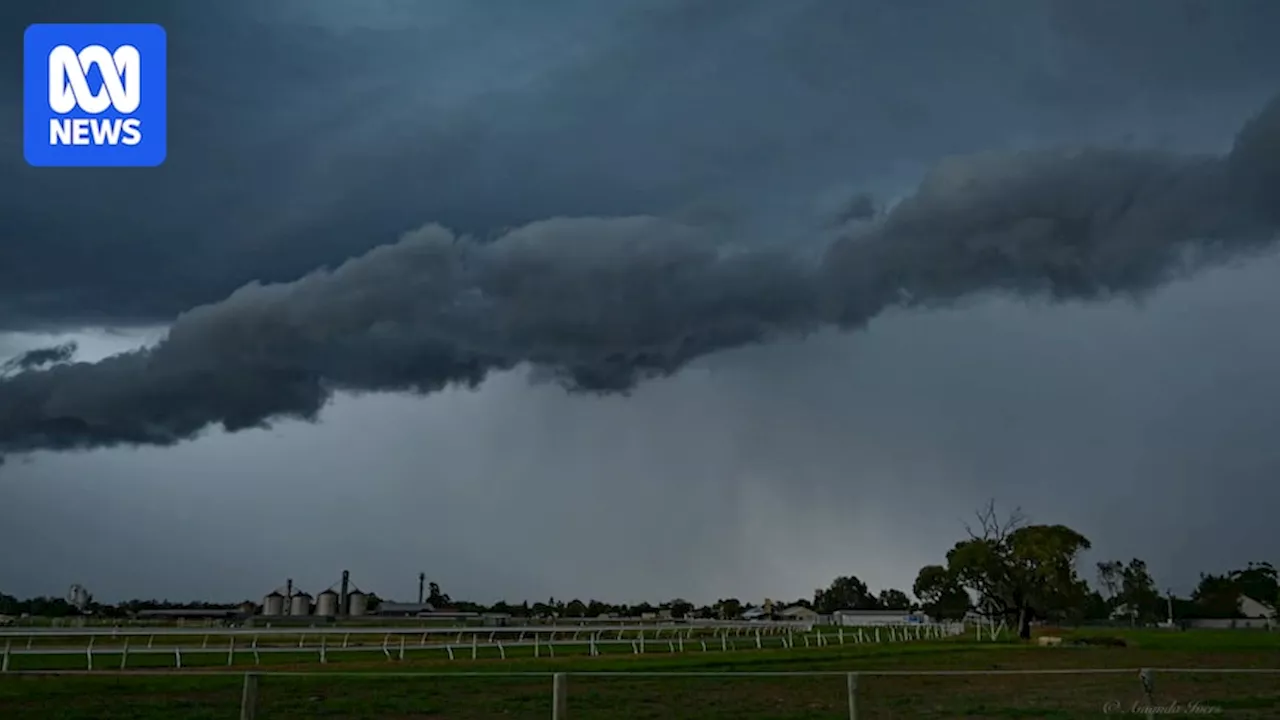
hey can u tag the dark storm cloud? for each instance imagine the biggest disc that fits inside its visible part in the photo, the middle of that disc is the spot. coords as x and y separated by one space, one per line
601 303
38 357
305 133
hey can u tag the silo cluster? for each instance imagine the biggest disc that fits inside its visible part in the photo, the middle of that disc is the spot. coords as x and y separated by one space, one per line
327 604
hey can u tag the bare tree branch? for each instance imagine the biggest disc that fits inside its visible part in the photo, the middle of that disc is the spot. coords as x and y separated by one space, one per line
991 528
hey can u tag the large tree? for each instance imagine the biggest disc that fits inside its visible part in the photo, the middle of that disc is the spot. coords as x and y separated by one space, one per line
894 599
1138 592
729 608
940 593
1129 588
1020 571
1259 581
1110 579
846 592
1218 596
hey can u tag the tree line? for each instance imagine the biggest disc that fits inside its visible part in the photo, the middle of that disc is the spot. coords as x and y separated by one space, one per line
1006 569
1010 569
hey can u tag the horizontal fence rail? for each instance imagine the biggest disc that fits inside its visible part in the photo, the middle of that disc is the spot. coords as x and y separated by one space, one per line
561 681
393 630
497 674
394 643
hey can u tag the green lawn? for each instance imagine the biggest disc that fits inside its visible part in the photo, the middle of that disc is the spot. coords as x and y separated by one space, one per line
448 693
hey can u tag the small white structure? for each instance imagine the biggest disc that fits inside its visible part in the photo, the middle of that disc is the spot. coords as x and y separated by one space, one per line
1255 609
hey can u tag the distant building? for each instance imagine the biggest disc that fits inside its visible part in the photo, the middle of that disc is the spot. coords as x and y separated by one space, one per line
1256 614
395 609
1124 612
755 614
877 617
1255 609
663 614
421 610
226 614
799 613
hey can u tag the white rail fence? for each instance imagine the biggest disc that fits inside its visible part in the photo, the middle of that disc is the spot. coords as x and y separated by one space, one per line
560 681
396 643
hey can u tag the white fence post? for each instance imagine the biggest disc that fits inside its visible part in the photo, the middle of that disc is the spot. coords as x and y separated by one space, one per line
851 682
249 698
1147 678
4 664
560 697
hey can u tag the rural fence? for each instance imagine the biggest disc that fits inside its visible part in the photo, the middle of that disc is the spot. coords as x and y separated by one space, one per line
206 647
556 686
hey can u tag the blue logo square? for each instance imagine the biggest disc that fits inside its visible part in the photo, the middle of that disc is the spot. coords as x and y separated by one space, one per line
94 95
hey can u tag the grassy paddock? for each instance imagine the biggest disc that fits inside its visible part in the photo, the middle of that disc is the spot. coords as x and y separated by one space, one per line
445 689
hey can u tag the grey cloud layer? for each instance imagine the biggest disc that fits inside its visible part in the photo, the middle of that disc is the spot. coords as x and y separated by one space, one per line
601 303
31 359
496 114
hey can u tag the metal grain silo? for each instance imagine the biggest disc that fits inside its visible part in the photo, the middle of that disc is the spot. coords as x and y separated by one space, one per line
357 603
300 605
273 604
327 604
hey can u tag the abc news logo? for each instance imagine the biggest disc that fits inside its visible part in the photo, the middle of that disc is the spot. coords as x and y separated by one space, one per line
94 95
69 89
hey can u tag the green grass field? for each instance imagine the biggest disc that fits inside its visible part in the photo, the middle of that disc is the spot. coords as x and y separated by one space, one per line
441 689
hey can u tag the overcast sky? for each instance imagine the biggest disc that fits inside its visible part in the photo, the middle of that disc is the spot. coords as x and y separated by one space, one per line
761 471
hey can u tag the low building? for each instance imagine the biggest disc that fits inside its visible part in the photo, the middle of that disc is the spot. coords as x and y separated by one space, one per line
395 609
421 610
849 618
799 613
1255 615
192 615
1255 609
